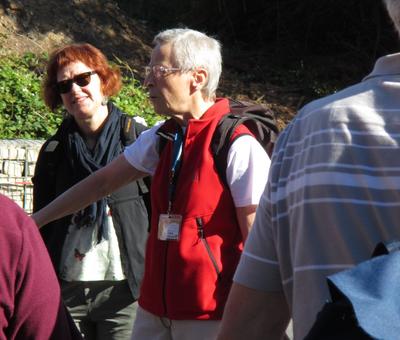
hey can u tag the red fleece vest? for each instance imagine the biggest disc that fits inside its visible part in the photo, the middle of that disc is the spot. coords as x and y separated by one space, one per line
181 280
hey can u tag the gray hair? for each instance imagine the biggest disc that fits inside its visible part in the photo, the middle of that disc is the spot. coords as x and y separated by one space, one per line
191 49
393 8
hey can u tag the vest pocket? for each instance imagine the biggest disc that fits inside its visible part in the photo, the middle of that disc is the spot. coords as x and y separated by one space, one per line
200 232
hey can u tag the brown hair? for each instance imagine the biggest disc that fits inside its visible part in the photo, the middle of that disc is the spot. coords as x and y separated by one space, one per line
89 55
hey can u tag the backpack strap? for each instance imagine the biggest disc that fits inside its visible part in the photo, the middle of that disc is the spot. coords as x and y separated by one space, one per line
44 179
130 131
223 137
166 132
258 119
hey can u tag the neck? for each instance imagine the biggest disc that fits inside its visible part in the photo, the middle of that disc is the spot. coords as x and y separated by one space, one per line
197 110
91 128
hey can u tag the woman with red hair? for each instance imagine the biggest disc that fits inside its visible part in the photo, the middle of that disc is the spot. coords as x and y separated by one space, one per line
98 252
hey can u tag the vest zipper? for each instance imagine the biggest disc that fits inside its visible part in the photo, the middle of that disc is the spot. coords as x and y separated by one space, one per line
200 232
164 299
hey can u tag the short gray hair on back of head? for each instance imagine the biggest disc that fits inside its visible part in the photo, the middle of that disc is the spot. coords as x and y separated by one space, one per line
191 49
393 8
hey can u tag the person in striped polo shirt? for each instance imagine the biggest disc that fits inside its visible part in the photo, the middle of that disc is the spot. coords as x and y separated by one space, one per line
332 194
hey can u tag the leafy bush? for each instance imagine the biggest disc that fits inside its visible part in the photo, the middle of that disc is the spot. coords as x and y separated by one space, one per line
133 98
23 113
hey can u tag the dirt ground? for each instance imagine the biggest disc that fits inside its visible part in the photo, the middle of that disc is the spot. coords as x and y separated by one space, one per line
43 25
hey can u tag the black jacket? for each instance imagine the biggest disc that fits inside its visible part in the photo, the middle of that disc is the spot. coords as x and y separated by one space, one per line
52 177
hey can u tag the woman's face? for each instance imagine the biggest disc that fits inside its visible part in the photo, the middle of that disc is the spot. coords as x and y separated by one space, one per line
82 102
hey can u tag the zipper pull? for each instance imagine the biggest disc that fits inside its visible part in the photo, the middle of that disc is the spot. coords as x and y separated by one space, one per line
200 230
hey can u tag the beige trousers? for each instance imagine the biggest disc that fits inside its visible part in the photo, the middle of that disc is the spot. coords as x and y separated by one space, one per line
151 327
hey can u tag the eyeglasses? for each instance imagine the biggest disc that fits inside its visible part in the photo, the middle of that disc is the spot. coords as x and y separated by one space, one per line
159 70
82 79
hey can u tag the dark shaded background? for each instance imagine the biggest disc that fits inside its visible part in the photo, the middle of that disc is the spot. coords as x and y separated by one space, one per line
283 53
290 28
310 47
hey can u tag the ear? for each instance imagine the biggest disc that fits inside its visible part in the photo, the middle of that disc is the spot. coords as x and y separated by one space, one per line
199 78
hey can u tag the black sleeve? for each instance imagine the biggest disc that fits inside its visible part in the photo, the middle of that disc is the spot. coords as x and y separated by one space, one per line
44 178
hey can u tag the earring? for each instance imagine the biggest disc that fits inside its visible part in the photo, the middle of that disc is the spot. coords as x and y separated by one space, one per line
104 101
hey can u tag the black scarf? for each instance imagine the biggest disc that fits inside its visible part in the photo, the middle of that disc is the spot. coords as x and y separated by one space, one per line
85 161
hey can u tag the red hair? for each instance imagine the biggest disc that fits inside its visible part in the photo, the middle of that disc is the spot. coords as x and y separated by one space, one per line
90 56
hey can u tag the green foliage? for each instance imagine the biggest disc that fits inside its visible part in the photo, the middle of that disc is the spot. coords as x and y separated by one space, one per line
23 113
133 98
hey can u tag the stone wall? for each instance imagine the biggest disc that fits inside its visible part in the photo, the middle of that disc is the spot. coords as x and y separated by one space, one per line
17 165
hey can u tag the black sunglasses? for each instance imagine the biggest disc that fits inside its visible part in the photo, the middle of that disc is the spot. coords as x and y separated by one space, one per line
83 79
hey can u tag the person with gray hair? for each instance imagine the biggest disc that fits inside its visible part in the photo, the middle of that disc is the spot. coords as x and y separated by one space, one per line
332 195
193 49
199 222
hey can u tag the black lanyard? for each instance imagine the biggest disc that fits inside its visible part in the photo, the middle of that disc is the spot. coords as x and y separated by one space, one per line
175 166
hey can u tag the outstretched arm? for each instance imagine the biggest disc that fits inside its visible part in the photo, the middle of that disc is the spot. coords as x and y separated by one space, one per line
101 183
252 314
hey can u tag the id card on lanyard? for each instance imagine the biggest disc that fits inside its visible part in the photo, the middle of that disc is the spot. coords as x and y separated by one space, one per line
169 225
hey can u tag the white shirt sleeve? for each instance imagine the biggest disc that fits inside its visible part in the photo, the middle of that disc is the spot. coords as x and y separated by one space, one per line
143 153
247 170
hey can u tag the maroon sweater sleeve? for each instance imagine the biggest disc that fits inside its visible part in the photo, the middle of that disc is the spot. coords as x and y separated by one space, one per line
30 298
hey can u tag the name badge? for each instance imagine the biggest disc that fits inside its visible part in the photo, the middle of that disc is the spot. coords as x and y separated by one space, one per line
169 227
